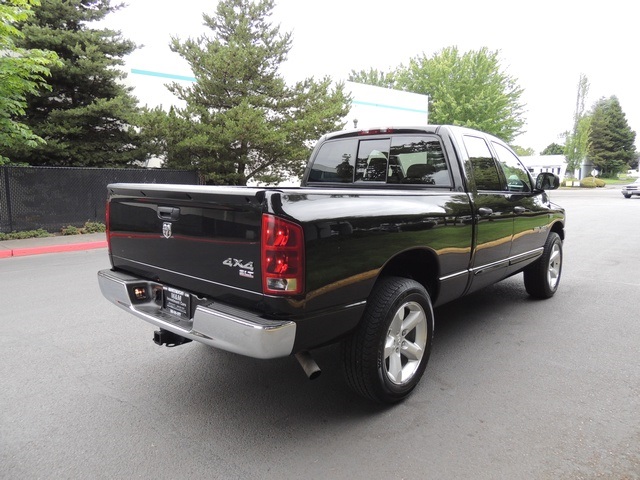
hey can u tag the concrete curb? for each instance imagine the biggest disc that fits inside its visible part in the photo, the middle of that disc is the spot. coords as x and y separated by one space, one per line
22 252
38 246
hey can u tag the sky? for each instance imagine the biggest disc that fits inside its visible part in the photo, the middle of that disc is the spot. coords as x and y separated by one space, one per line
544 45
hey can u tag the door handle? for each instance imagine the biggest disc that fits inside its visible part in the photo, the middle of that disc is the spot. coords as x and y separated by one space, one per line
519 209
168 213
485 212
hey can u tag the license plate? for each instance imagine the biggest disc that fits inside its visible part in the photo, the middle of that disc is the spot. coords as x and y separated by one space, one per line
176 302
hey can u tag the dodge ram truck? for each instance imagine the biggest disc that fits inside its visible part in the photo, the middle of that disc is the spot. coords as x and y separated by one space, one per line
386 225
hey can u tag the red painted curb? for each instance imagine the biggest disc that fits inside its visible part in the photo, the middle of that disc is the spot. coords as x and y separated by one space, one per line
21 252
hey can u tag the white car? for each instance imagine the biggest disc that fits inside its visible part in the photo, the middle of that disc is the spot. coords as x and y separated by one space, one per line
632 189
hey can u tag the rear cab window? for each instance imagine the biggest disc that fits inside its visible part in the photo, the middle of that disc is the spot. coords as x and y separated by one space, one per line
401 159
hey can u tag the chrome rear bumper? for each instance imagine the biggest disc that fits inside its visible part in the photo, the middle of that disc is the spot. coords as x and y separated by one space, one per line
215 324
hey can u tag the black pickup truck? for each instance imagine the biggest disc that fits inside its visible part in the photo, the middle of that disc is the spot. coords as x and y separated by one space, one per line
387 224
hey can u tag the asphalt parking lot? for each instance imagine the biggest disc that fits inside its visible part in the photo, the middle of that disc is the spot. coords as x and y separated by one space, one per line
515 388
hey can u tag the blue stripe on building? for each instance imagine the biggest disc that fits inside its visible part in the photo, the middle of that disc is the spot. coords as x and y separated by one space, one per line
380 105
172 76
162 75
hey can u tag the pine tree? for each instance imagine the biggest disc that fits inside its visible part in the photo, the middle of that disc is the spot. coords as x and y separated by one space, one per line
87 117
241 121
611 140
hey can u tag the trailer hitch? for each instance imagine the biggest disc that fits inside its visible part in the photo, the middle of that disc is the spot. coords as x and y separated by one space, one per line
170 339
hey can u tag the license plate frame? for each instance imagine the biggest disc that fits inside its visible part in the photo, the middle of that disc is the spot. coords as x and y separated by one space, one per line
176 302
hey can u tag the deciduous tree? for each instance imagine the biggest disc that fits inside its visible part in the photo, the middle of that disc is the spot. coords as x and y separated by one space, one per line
374 77
470 89
553 149
522 151
23 72
576 141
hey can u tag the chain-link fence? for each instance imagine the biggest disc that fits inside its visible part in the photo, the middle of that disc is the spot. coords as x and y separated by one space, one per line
52 197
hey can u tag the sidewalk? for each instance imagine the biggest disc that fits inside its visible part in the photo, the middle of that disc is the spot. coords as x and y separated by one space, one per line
61 243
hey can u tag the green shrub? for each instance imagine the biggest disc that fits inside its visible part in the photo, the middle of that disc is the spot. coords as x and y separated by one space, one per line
94 227
71 230
39 233
591 182
88 227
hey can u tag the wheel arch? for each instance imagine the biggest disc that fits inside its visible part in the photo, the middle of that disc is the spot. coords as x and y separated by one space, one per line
419 264
558 228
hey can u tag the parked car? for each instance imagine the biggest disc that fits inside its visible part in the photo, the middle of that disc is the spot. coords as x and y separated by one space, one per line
632 189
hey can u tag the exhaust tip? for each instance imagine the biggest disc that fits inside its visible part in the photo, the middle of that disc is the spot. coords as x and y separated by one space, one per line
308 364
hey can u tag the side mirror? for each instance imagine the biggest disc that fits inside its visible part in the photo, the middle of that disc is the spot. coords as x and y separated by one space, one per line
547 181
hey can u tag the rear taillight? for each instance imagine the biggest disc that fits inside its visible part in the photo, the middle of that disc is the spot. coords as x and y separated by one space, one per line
282 256
106 220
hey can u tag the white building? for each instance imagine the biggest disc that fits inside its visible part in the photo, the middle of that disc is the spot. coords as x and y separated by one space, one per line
384 107
370 106
537 164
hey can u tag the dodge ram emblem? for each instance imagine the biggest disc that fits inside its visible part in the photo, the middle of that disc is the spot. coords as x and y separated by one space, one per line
166 229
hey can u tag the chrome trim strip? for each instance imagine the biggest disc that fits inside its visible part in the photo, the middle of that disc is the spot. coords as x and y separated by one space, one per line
526 256
490 266
357 304
521 257
218 325
454 275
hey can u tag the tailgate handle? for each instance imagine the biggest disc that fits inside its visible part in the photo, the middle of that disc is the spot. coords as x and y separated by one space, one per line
168 213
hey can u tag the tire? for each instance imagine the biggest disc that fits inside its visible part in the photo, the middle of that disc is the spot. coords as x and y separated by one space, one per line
383 361
542 278
626 195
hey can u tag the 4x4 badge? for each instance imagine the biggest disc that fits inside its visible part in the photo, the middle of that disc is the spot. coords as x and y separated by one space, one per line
166 229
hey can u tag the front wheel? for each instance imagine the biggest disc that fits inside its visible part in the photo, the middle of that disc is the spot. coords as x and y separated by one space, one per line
386 356
541 279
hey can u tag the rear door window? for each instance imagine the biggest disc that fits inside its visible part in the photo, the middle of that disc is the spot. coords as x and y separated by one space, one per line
483 166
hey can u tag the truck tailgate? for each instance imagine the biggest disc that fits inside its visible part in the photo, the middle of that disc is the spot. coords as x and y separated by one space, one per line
202 239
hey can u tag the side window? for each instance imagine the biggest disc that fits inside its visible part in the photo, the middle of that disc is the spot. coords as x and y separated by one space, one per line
485 171
372 161
418 160
518 179
334 162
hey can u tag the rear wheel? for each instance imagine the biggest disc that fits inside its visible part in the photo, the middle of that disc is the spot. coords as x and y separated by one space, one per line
541 279
386 356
